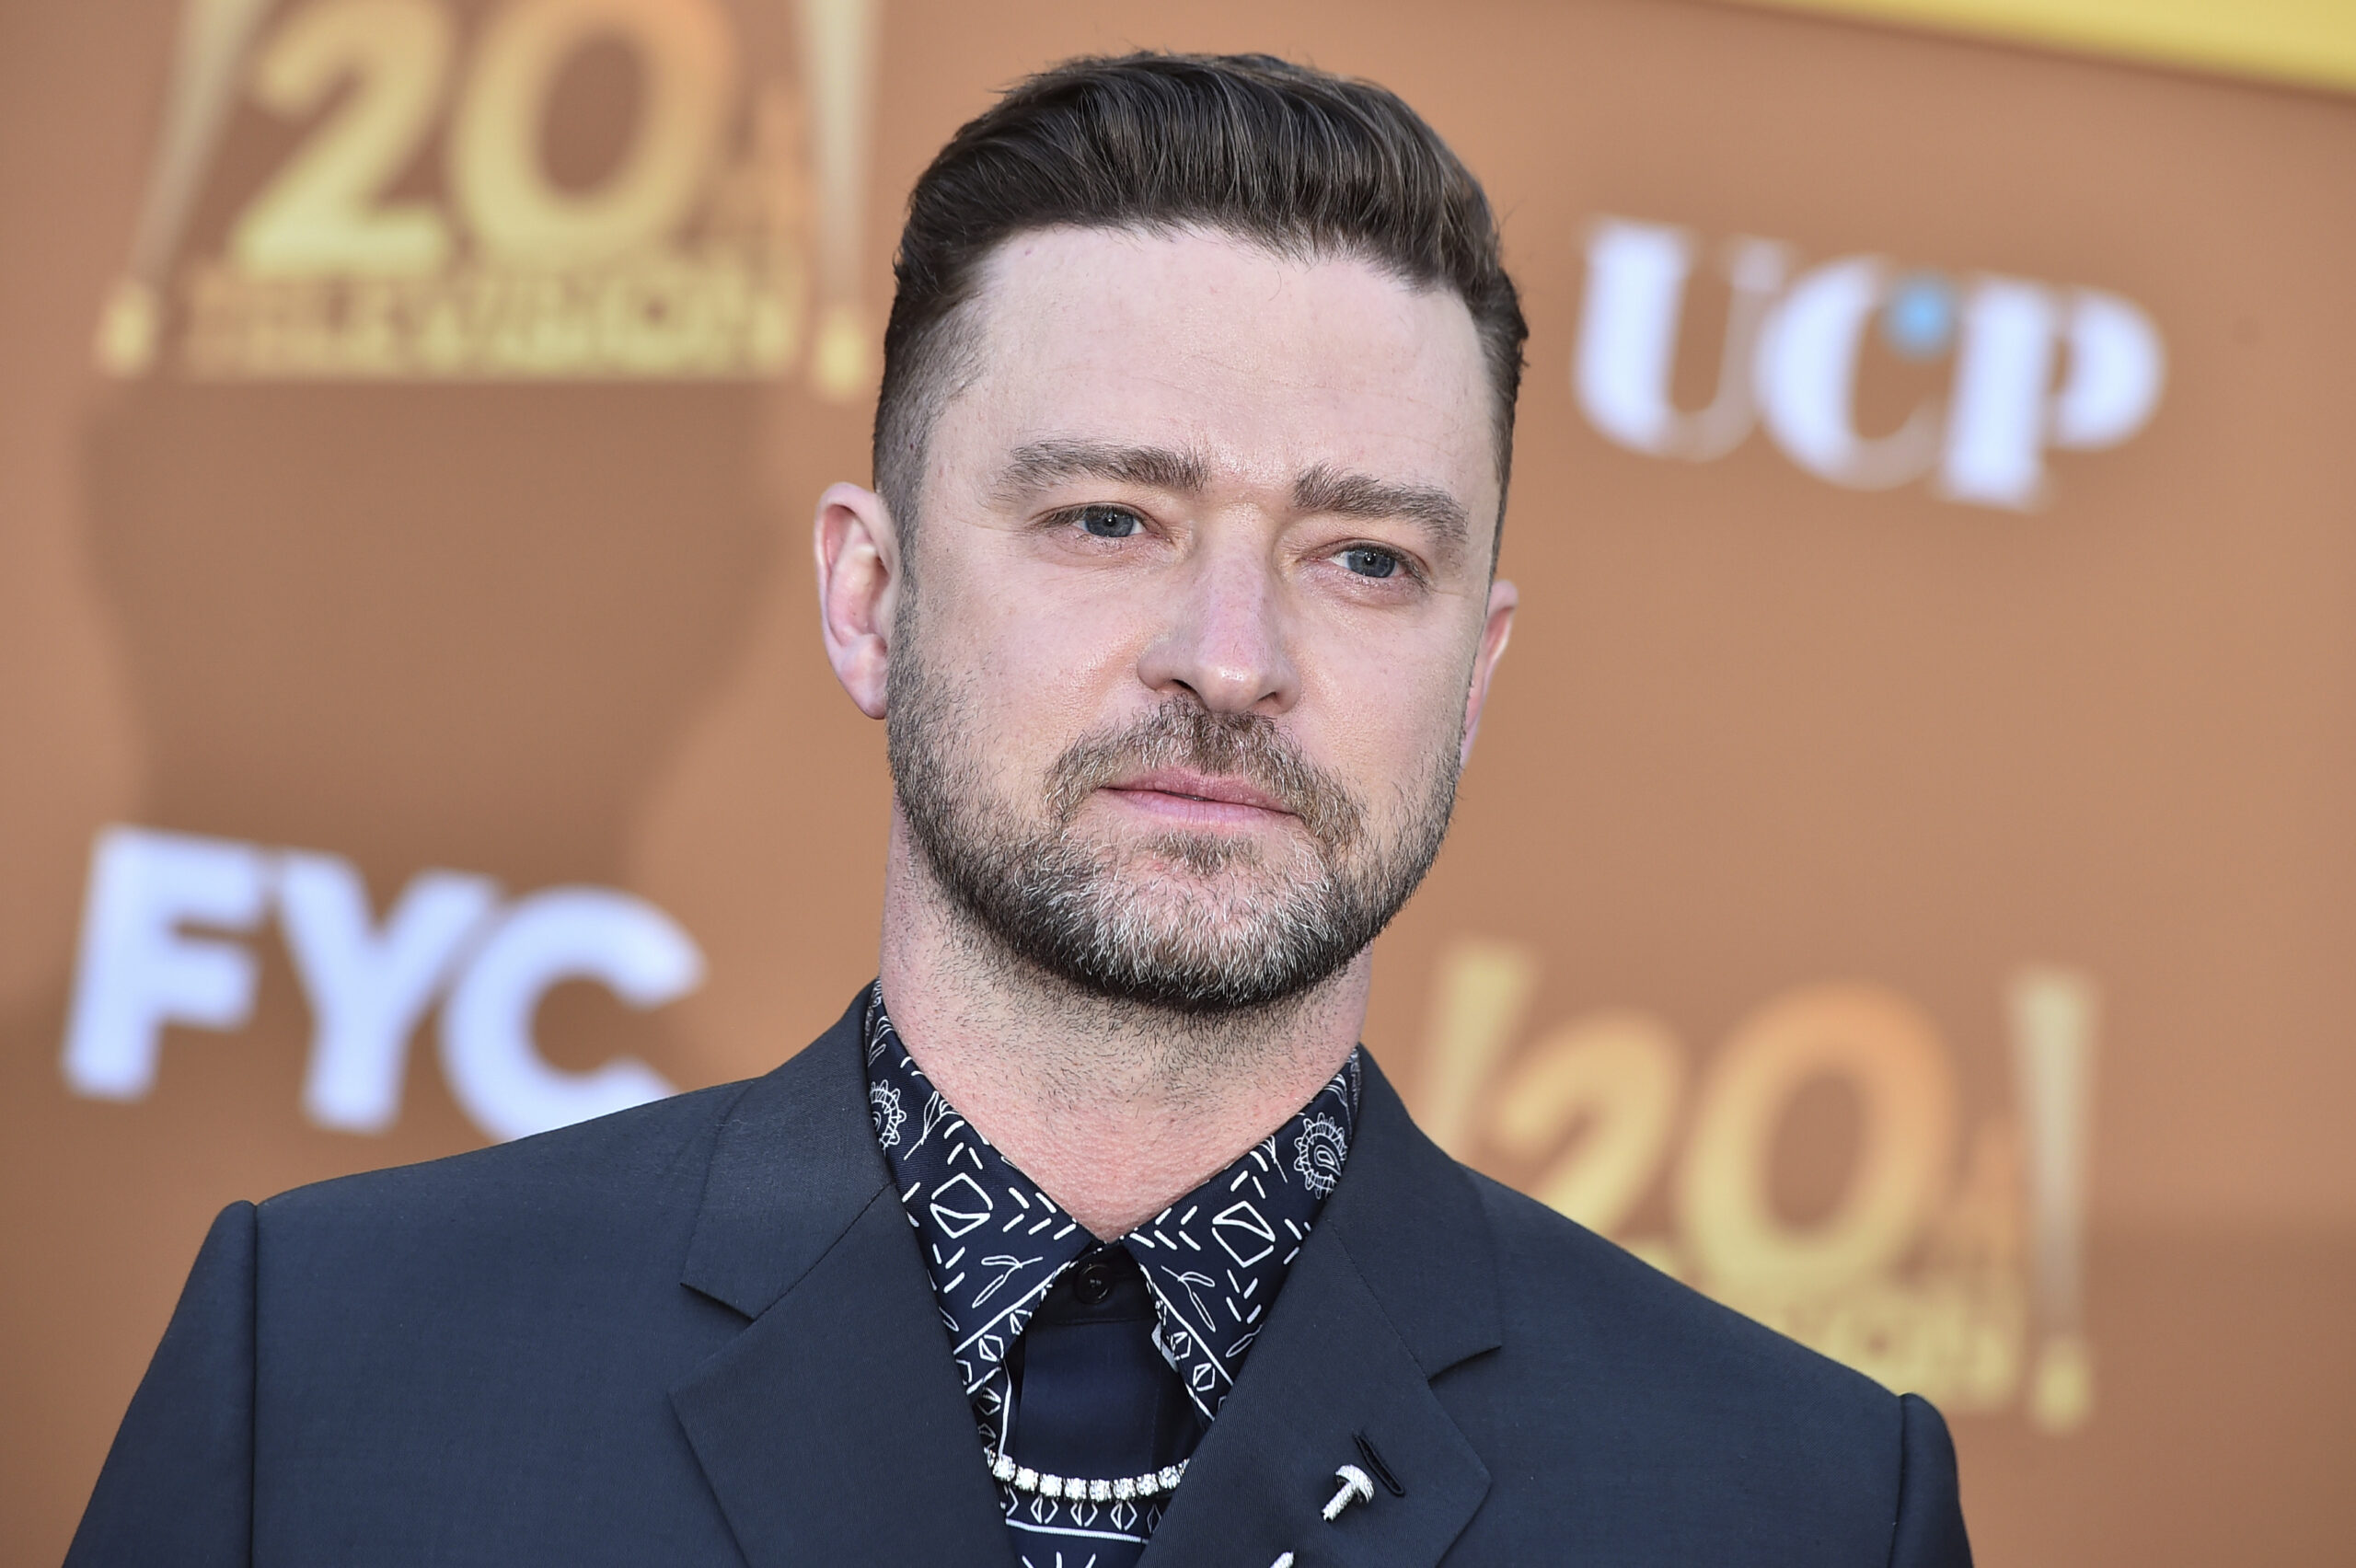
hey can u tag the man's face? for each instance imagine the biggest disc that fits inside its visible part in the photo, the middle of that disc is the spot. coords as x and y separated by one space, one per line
1198 612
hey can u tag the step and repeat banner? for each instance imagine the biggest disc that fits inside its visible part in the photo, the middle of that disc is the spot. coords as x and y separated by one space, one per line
1907 888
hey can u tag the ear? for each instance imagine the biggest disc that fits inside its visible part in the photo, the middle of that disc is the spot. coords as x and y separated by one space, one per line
859 583
1495 632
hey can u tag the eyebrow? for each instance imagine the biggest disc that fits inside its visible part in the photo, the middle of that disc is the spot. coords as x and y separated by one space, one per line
1334 493
1040 463
1323 490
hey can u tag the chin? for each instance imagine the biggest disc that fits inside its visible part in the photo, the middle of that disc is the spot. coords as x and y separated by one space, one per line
1244 862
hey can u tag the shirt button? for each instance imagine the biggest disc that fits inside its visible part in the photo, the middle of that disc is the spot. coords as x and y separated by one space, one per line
1094 1286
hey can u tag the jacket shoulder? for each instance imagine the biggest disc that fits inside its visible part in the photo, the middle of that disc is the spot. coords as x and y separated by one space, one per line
1724 1440
652 1154
574 1209
1564 1283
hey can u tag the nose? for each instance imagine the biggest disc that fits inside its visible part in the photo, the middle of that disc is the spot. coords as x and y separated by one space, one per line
1225 640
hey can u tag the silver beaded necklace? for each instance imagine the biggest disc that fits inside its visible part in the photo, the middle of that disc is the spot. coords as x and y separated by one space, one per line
1127 1489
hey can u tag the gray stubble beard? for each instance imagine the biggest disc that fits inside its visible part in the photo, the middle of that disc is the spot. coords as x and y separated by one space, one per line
1076 912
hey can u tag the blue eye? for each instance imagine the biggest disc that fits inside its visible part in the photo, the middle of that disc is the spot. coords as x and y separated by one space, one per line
1110 522
1369 562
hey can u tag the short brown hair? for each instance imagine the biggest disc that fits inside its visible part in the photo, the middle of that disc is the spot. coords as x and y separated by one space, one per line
1302 161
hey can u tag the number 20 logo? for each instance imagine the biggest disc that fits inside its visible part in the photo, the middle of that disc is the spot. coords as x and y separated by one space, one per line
323 211
687 256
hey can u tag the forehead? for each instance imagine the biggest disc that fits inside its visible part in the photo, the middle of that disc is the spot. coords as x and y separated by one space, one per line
1268 366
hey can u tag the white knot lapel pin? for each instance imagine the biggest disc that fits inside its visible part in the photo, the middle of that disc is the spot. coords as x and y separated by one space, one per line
1357 1487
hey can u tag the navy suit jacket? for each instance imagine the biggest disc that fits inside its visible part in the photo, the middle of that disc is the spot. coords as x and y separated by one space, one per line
700 1332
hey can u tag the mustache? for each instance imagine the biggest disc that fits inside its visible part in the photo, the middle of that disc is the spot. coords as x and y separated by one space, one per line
1184 734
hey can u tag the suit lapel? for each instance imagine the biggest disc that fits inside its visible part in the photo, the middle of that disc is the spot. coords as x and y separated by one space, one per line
1396 1285
832 1428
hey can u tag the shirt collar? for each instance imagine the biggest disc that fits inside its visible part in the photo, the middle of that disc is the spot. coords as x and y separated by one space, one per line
994 1242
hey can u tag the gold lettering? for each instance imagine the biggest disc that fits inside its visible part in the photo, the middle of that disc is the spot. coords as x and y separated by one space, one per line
322 212
518 215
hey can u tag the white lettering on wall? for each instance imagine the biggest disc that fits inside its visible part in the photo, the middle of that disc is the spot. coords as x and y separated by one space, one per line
1806 378
140 971
1636 276
564 933
1792 347
369 984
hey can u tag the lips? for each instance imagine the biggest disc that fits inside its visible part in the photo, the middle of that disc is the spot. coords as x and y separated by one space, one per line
1217 790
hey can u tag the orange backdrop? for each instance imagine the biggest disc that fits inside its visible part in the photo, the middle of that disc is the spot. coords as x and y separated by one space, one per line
1904 882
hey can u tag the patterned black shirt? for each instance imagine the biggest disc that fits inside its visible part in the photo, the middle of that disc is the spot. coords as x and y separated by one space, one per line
994 1243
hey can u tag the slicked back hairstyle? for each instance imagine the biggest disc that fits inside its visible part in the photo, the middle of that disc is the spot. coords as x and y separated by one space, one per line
1308 163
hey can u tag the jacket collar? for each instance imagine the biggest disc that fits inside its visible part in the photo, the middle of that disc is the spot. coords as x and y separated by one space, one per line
1412 1220
1397 1285
832 1429
840 1389
795 1165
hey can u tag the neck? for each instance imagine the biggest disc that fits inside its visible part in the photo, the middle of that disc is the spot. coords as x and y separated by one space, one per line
1117 1110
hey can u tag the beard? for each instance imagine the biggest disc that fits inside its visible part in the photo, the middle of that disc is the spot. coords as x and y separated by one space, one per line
1189 922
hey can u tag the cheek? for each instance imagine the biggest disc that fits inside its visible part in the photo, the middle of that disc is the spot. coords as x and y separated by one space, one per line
1382 706
1040 668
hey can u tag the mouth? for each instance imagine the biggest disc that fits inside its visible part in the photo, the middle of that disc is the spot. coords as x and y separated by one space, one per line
1181 797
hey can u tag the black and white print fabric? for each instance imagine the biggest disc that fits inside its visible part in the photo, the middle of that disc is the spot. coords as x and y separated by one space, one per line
994 1243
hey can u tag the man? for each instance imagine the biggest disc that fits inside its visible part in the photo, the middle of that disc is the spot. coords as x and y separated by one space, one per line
1090 1233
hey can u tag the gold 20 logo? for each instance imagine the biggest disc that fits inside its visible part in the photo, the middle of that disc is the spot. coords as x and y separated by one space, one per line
693 254
1949 1262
